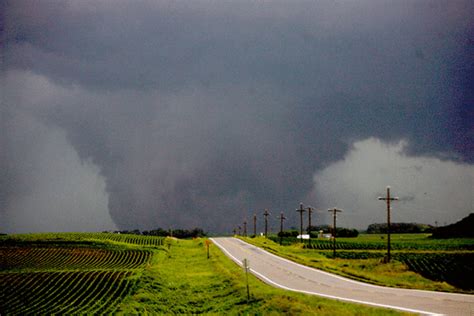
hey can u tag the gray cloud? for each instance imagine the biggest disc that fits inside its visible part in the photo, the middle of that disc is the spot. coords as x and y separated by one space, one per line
198 113
45 186
441 191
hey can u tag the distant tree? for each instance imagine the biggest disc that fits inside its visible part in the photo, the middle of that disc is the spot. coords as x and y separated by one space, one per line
462 229
185 233
288 233
157 232
346 232
341 231
399 228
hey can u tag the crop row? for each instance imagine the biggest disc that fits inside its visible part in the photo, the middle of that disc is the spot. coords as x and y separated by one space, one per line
89 292
454 268
379 245
71 258
125 238
75 237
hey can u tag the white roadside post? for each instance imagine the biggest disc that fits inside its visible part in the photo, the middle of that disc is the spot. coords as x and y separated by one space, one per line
245 265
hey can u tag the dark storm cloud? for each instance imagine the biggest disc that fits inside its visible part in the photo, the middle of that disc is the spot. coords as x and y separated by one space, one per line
197 112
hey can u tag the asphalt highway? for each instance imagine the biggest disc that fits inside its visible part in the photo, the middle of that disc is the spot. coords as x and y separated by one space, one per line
289 275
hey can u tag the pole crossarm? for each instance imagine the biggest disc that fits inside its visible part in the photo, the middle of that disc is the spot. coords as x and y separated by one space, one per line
281 217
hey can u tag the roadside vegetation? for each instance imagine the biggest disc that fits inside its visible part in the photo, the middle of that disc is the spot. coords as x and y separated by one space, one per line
103 273
418 261
183 281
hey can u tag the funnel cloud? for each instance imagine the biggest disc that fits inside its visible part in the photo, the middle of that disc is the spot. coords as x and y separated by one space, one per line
170 114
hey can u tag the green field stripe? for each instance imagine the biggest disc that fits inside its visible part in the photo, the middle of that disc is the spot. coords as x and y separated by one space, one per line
17 293
129 259
25 259
15 288
56 259
94 258
98 292
66 292
97 285
48 293
23 299
106 293
87 258
110 261
72 258
55 294
123 261
114 298
9 257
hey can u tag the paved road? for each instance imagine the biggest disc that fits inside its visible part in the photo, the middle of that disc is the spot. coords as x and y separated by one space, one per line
288 275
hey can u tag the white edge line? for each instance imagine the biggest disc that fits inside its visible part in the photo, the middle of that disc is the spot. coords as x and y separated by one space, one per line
320 294
354 281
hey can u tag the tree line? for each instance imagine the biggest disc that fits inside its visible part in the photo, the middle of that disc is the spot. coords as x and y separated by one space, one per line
178 233
326 229
399 228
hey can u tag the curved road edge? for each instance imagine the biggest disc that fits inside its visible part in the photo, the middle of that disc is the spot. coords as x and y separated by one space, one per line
312 292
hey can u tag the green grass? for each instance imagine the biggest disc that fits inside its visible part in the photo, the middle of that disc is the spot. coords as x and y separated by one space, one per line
415 269
94 273
184 281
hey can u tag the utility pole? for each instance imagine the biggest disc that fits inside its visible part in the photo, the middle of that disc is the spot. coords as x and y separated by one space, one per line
310 210
255 225
282 218
301 210
388 199
334 211
265 214
245 228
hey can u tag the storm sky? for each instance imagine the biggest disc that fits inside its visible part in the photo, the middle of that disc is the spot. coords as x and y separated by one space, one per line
146 114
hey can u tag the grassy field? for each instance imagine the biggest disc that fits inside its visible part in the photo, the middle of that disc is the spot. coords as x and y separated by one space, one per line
419 262
126 274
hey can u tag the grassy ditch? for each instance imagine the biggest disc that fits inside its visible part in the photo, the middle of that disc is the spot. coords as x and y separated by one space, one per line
365 265
183 281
